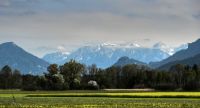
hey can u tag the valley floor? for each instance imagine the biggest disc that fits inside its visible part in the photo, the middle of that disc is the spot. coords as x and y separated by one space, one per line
98 99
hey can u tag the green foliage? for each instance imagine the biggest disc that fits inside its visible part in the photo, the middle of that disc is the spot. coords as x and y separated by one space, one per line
6 73
29 82
52 80
74 75
16 79
71 72
53 69
10 79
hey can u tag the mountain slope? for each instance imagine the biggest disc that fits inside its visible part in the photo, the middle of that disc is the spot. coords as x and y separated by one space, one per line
17 58
189 61
192 50
125 60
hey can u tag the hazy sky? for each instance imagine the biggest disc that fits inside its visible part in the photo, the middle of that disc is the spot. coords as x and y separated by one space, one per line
41 26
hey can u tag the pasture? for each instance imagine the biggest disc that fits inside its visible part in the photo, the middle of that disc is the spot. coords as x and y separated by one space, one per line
98 99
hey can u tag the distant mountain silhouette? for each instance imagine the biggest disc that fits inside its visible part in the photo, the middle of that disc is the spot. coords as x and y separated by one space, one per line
18 58
126 60
192 50
189 61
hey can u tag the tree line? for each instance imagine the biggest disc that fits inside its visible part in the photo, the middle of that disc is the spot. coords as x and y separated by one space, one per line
73 75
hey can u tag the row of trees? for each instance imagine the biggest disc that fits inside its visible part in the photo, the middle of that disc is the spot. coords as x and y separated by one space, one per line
63 77
10 79
179 76
73 75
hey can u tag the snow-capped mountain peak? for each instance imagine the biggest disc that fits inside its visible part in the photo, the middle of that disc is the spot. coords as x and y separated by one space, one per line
106 54
56 57
108 44
132 45
120 45
65 53
164 48
168 49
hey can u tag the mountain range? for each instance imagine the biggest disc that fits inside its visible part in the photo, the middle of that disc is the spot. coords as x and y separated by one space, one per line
159 56
106 54
18 58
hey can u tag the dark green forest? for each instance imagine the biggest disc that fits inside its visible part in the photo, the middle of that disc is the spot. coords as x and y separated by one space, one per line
76 76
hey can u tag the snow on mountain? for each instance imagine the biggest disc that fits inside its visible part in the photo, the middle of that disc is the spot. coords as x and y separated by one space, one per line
121 45
56 57
164 48
168 49
186 56
106 54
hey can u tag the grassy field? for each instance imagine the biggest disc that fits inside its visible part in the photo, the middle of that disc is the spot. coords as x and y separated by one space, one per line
98 99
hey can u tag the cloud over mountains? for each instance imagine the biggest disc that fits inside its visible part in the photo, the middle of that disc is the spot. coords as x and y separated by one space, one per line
57 22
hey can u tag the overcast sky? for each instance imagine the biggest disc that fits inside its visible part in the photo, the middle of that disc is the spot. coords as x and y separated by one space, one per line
41 26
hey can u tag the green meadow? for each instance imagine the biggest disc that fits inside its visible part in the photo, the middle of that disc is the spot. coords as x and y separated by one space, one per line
98 99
